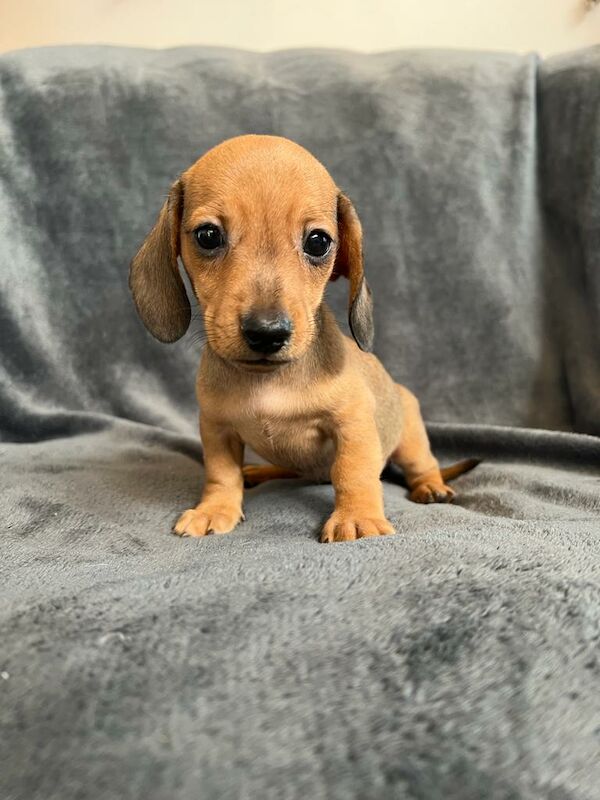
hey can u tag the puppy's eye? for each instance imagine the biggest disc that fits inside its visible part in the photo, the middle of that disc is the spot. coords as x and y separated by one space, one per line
317 244
209 236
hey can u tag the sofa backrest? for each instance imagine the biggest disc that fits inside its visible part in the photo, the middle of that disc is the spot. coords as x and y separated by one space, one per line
475 176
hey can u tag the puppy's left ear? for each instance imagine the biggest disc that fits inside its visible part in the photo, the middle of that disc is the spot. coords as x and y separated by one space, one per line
158 291
349 263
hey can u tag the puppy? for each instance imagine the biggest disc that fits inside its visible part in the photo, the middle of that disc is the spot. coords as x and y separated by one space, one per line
261 228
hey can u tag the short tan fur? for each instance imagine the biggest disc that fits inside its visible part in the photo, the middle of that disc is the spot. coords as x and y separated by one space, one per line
319 406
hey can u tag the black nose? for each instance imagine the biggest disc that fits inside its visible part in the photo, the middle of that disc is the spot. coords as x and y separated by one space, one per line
266 332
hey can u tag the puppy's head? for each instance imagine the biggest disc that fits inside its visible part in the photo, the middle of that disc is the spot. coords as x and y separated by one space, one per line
261 228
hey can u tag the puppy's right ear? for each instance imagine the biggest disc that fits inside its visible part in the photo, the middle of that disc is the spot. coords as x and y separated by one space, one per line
349 262
158 291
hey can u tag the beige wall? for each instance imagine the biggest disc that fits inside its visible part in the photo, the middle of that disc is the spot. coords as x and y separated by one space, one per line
547 26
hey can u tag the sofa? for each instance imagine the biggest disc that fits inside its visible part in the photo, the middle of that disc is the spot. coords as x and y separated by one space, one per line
459 658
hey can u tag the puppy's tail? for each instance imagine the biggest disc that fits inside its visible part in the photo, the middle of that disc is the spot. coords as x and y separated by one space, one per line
454 470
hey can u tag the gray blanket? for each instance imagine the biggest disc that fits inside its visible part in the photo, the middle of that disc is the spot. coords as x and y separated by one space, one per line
457 659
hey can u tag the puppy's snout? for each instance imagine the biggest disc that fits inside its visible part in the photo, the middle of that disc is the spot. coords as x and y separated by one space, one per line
266 332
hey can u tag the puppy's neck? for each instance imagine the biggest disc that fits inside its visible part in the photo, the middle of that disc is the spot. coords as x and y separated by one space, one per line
324 357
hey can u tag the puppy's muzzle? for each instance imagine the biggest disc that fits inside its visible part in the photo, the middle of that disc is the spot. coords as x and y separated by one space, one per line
266 333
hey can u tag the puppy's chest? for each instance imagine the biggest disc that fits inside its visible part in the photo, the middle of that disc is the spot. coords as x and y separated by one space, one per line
285 430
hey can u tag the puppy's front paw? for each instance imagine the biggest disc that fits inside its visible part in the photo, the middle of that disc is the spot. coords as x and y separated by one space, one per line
207 518
346 527
432 493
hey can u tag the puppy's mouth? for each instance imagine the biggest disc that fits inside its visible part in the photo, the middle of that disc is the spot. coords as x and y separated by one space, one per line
262 364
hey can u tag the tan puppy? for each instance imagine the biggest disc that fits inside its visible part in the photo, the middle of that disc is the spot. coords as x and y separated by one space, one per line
261 228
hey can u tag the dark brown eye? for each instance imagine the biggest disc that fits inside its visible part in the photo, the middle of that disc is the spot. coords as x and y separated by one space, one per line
317 244
209 236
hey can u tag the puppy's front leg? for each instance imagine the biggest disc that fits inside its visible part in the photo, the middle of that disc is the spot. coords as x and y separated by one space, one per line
220 509
355 478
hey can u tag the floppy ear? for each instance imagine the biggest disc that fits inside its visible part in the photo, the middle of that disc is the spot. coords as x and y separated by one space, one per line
158 291
349 263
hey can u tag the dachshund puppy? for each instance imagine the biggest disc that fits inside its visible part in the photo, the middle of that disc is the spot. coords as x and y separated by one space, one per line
261 227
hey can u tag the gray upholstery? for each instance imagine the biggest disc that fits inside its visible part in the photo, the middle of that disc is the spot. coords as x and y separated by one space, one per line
457 659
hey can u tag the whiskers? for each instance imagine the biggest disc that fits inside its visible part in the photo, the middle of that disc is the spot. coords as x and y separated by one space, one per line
220 337
196 339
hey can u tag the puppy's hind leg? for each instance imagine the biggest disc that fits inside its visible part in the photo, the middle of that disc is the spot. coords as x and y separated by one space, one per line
255 474
413 455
